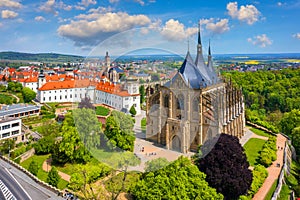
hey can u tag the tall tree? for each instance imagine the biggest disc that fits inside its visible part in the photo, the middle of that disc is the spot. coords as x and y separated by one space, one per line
28 94
119 131
226 166
53 177
179 180
33 168
296 139
142 93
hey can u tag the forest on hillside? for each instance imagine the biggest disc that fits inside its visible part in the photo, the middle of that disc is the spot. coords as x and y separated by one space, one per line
40 57
272 99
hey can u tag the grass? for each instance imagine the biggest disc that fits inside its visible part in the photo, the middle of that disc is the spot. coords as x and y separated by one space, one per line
42 175
271 191
284 193
143 124
70 168
252 149
259 132
102 111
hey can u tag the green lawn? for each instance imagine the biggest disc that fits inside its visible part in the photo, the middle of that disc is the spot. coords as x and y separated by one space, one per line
252 149
259 132
42 175
271 191
70 169
143 124
102 111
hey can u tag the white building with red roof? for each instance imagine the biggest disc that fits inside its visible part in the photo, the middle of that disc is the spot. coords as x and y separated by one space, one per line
120 97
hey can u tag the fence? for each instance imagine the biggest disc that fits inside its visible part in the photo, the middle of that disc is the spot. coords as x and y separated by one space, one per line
286 168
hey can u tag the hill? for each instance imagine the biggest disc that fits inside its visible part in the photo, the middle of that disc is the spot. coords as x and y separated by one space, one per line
39 57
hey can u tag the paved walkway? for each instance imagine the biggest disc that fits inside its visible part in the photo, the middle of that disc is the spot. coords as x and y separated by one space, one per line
47 167
151 150
273 170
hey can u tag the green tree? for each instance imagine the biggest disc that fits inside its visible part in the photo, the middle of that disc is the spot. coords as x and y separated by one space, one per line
33 168
88 127
44 145
132 110
119 131
296 139
69 147
142 94
6 146
28 94
156 164
179 180
86 175
11 86
53 177
290 121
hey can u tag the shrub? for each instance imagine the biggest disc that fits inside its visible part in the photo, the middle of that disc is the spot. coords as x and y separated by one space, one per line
53 177
268 152
33 168
132 110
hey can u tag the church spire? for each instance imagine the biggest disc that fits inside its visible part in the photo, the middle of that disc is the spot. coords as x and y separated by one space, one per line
209 53
199 34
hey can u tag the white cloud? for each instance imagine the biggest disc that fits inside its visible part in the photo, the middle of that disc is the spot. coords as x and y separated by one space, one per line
248 13
140 2
77 7
49 7
1 24
10 4
39 18
217 26
173 30
297 35
279 4
113 1
260 40
95 27
63 6
86 3
8 14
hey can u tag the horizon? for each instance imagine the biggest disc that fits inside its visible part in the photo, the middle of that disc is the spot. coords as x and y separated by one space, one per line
77 28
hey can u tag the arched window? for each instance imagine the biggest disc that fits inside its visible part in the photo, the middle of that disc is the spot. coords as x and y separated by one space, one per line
166 101
180 102
196 104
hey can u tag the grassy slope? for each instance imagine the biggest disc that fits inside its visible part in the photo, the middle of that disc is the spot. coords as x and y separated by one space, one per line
252 149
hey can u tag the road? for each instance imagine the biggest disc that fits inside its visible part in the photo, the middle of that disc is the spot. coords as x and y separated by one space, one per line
22 184
11 183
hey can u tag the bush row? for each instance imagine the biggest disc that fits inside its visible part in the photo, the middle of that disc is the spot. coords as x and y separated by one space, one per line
268 153
259 175
265 124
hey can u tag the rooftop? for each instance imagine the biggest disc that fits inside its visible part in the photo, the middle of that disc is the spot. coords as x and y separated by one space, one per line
17 108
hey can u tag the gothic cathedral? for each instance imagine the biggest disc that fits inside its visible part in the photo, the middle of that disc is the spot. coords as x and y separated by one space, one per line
193 106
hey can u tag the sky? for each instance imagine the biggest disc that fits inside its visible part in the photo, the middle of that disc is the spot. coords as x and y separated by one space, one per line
92 27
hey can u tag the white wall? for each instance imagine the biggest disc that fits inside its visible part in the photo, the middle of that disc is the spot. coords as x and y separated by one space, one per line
9 131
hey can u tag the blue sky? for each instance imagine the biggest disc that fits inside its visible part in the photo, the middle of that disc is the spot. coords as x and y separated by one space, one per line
91 27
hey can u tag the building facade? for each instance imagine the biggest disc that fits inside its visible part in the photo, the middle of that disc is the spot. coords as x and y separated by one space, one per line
193 106
10 128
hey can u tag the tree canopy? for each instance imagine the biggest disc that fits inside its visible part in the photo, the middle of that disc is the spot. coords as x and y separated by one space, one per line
179 180
226 167
69 147
119 131
28 94
53 177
